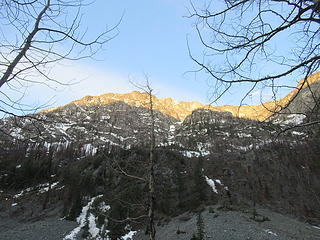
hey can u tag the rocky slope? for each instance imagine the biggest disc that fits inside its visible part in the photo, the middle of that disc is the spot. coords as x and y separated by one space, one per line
119 124
235 225
218 224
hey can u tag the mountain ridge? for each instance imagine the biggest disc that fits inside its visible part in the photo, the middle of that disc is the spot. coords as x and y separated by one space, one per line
181 109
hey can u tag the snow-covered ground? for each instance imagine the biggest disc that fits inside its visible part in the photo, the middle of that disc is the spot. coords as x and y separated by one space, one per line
89 217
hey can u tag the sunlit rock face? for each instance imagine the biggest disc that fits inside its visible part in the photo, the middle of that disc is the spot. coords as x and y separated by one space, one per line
180 110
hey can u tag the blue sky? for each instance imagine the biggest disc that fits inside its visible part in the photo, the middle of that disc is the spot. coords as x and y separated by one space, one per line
152 40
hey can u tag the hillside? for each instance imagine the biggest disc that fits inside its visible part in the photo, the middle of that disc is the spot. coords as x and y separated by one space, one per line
88 162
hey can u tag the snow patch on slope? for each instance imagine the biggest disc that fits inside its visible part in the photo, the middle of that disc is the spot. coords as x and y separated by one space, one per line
82 221
88 218
212 183
41 188
191 154
291 119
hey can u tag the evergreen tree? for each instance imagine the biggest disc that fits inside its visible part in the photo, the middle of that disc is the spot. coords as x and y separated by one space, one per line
194 237
200 227
199 182
117 228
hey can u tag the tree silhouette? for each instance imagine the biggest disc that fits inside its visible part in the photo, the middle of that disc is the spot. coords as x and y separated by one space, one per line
257 43
36 34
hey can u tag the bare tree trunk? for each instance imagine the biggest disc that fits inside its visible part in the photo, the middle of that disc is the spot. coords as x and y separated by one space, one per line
152 230
151 204
47 197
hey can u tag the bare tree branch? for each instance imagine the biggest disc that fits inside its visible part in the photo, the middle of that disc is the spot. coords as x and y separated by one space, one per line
36 34
241 39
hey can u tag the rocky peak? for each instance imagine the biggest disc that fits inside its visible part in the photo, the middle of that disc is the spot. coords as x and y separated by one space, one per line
180 110
168 106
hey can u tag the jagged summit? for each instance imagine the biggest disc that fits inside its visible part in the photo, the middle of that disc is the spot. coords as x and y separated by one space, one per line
180 109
